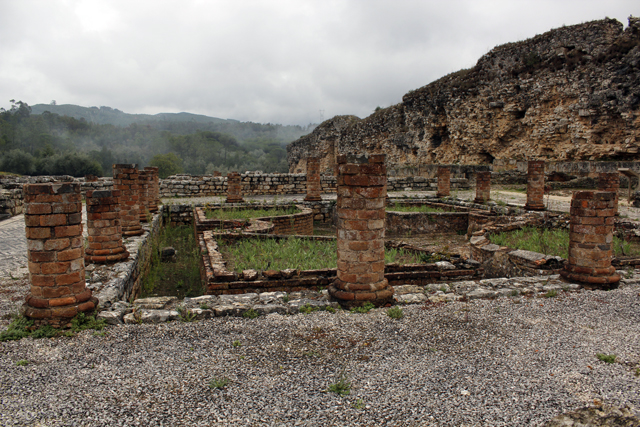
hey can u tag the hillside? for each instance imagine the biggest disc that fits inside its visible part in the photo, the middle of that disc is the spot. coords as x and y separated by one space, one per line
569 94
177 123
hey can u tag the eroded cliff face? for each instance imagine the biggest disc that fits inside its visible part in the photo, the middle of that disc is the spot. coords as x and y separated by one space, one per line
572 93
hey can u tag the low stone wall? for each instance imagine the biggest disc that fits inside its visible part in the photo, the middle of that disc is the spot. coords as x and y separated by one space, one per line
220 281
400 223
11 203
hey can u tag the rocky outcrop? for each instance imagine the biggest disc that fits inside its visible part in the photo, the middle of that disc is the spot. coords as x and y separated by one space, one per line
569 94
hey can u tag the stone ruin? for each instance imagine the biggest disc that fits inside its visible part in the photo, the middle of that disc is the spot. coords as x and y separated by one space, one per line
57 255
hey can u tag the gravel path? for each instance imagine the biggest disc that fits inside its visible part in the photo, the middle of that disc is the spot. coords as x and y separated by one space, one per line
509 361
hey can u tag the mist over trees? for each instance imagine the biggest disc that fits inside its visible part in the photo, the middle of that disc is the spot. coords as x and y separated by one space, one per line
53 144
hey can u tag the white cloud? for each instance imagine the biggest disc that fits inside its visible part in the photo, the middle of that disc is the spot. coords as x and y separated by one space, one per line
264 61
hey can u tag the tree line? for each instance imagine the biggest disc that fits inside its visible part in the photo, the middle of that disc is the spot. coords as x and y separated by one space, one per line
52 144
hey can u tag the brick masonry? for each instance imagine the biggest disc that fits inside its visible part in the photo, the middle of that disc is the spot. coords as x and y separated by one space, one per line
591 239
610 181
483 187
444 181
535 186
314 186
144 180
53 220
103 227
154 188
125 179
362 189
234 188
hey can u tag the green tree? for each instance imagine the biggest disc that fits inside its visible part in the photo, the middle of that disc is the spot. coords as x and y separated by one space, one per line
17 161
168 164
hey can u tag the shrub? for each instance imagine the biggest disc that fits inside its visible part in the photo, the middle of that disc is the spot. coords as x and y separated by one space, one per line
367 307
341 387
250 314
607 358
219 383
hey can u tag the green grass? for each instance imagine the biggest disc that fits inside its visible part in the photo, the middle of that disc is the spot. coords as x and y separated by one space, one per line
341 387
20 328
367 307
397 207
180 278
553 242
607 358
302 254
395 312
244 214
218 383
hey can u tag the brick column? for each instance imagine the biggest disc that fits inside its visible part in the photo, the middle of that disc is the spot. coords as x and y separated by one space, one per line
591 239
216 173
362 187
483 187
234 188
103 227
90 178
610 181
535 186
154 188
53 220
144 178
444 181
313 180
125 179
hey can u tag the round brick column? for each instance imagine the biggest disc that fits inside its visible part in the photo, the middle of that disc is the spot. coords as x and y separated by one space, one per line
362 187
103 227
444 181
610 181
483 187
313 180
591 239
144 179
53 220
154 188
535 186
234 188
125 179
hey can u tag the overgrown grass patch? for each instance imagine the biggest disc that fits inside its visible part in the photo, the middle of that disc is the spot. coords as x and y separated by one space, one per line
21 327
244 214
180 278
302 254
553 242
397 207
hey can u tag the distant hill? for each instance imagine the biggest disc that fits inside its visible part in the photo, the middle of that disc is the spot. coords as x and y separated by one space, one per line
178 123
113 116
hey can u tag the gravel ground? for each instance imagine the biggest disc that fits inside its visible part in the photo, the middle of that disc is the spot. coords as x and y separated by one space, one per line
487 362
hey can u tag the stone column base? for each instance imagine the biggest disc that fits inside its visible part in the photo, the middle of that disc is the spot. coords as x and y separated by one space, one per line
354 295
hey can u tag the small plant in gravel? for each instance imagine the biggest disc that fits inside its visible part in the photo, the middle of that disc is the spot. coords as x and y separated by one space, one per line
218 383
358 404
285 299
204 307
236 343
367 307
307 308
551 293
22 362
250 314
82 322
341 387
17 329
607 358
186 316
395 312
514 293
46 331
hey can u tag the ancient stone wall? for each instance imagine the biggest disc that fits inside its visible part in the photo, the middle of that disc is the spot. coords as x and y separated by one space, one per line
569 94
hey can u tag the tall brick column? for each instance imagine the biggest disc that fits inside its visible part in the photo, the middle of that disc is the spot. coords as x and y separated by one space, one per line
154 188
103 227
535 186
362 187
313 180
444 181
53 220
610 181
125 179
591 239
144 179
234 188
483 187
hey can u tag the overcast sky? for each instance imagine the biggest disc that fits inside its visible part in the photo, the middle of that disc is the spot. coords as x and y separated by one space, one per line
278 61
